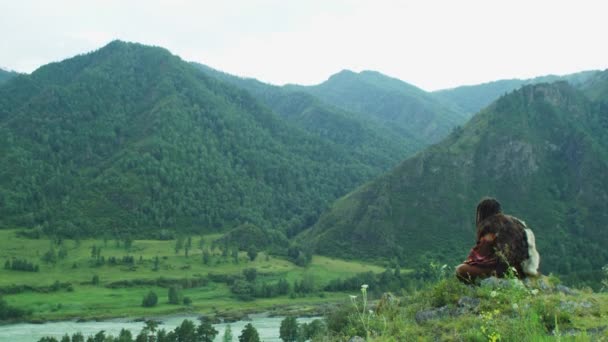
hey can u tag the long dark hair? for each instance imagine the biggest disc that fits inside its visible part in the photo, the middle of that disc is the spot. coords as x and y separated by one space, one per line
487 207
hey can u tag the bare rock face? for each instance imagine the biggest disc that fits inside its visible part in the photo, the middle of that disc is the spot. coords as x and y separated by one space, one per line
513 158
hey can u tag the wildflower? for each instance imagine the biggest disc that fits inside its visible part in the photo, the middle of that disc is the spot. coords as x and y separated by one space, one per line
493 294
364 287
353 297
515 306
534 292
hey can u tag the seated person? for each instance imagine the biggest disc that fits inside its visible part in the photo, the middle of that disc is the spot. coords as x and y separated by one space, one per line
502 242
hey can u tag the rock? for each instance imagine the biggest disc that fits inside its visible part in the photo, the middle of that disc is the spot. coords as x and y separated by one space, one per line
388 301
492 282
570 305
468 304
501 283
543 285
426 315
596 330
356 339
565 290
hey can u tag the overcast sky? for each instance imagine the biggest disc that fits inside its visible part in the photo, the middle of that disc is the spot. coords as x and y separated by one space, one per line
431 44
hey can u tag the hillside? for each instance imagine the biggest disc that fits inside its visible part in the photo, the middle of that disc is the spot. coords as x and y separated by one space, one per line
398 106
131 139
542 151
353 131
473 98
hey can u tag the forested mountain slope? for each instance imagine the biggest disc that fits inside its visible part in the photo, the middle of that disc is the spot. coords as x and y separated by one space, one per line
131 139
353 131
398 106
541 150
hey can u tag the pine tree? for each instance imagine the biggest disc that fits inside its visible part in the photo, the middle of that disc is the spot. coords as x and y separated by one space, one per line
206 332
289 329
227 334
249 334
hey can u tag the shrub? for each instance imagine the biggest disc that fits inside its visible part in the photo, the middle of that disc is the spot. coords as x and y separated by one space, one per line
150 299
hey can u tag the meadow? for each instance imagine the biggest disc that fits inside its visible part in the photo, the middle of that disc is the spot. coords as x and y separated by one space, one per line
66 288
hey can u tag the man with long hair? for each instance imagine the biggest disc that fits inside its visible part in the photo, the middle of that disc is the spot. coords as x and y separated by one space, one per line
502 244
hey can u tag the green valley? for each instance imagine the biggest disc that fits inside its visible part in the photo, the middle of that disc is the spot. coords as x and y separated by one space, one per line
95 280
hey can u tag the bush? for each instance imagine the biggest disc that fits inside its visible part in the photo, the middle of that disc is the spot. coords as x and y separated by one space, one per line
151 299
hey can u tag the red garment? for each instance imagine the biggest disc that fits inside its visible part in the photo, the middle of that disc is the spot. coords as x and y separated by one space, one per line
483 253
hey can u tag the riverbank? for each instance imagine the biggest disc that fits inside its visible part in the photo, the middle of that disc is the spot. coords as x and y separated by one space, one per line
267 327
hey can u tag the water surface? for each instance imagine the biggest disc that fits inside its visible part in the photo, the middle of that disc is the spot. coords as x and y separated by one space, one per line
267 327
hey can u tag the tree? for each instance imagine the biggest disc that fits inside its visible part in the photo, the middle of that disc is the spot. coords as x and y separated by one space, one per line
312 329
147 333
128 242
124 336
78 337
235 255
94 252
186 332
95 280
282 287
156 263
250 274
206 332
179 244
50 256
150 299
63 252
227 334
289 329
174 295
206 257
100 336
249 334
252 252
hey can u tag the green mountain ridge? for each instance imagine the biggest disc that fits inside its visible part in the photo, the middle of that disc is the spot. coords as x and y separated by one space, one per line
352 130
473 98
131 139
396 105
541 150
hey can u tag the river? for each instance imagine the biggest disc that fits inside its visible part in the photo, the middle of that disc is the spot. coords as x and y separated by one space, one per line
267 327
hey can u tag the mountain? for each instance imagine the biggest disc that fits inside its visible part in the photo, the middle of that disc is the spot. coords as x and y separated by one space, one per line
353 131
471 99
399 107
541 150
6 75
596 87
131 139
